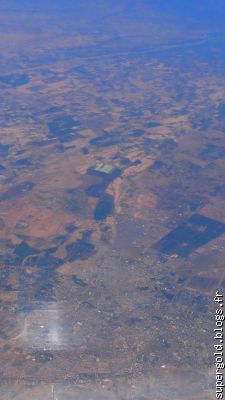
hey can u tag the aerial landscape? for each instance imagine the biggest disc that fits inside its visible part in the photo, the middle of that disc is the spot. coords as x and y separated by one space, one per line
112 198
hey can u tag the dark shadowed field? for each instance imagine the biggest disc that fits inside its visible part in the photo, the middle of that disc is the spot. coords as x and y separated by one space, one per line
112 198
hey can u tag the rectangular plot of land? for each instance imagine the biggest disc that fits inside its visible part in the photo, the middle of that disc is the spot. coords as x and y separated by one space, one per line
195 232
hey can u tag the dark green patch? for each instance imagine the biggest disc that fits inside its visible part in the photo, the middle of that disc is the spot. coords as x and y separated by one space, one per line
23 250
85 151
23 163
14 80
168 145
106 140
65 129
157 165
17 190
70 228
212 152
137 162
78 281
169 296
133 321
104 207
136 113
43 355
4 150
2 168
46 262
81 70
221 110
152 124
195 232
137 133
97 190
82 249
143 288
2 223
